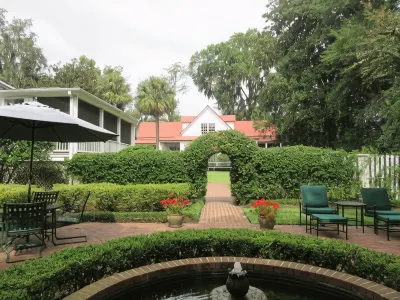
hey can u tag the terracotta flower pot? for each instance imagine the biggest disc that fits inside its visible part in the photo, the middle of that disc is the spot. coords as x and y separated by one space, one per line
175 221
266 222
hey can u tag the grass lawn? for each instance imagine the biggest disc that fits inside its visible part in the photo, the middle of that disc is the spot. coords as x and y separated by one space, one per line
289 215
218 177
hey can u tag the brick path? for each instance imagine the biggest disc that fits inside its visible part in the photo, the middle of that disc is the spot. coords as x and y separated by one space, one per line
219 212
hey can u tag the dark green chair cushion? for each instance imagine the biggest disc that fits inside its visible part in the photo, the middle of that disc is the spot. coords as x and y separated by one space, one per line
370 213
329 218
319 210
391 219
314 196
377 197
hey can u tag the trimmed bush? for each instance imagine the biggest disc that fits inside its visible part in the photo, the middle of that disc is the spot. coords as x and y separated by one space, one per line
271 173
129 167
279 173
63 272
105 196
192 214
234 144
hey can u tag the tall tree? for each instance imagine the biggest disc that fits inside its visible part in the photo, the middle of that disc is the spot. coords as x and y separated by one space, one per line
22 62
319 104
80 72
113 88
155 97
177 76
109 85
234 72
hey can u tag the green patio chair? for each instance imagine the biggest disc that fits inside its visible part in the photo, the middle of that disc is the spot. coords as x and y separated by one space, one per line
66 221
48 197
314 200
20 221
377 203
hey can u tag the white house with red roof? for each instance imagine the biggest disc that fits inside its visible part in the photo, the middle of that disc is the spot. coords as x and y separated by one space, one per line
177 135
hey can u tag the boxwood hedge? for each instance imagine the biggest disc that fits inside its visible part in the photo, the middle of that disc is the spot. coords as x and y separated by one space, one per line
105 196
68 270
272 173
129 166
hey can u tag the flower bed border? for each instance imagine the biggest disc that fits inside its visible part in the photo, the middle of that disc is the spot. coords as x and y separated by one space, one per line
117 283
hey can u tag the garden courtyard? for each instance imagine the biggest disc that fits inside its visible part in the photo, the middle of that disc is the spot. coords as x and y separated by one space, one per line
219 211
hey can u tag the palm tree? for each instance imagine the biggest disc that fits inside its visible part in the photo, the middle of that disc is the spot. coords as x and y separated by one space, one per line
155 97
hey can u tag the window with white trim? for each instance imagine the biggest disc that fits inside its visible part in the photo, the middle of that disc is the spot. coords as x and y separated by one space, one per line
207 127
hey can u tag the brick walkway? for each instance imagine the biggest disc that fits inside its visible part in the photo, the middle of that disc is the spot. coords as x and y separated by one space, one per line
219 212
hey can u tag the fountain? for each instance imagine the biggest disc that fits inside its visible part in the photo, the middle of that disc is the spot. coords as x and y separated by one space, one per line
237 287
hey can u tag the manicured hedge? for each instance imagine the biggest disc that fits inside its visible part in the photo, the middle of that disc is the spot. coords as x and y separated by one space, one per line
105 196
68 270
234 144
279 173
129 167
192 214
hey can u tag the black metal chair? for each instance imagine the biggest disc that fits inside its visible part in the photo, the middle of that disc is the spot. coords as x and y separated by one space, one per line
20 221
48 197
66 221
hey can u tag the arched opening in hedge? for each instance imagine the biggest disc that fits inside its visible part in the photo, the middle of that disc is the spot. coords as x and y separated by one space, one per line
237 146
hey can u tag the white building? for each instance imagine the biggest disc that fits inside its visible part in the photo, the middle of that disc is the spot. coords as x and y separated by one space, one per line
81 104
177 135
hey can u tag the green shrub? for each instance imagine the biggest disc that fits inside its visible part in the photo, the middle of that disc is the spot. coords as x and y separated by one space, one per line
68 270
105 196
136 148
192 215
129 167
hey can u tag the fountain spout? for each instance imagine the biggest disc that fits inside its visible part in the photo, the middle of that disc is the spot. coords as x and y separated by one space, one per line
237 283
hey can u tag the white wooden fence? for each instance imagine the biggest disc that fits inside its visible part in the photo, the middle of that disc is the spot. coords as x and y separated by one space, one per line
380 171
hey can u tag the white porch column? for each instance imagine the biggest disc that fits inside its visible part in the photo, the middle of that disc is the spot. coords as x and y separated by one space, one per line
2 102
266 145
280 144
101 124
73 111
28 99
119 131
133 134
181 146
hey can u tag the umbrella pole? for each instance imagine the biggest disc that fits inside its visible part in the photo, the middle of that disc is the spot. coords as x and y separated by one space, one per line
31 162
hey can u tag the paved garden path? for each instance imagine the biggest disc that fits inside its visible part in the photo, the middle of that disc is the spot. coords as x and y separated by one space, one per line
219 212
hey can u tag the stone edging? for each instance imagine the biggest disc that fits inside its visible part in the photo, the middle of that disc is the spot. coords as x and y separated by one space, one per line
127 279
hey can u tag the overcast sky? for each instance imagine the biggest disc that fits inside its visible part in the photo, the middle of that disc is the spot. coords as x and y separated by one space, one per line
143 36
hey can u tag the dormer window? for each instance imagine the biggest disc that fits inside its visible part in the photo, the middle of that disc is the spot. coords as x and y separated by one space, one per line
207 127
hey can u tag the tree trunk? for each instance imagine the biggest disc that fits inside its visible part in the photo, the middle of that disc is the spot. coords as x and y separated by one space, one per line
157 132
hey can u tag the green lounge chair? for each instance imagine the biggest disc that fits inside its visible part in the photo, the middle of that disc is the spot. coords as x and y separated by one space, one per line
314 200
377 203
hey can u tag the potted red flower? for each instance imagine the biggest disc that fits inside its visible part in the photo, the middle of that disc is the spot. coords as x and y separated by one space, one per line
174 206
266 211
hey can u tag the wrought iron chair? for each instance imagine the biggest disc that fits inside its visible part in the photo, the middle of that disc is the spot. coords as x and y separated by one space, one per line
22 220
50 198
66 221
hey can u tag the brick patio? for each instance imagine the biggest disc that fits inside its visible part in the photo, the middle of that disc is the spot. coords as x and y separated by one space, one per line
219 212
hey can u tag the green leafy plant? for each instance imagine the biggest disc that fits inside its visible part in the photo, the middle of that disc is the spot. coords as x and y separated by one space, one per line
129 167
67 270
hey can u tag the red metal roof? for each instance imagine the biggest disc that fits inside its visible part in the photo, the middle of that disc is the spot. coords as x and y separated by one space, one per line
171 131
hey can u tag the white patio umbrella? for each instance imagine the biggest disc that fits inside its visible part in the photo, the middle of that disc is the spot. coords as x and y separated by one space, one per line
34 121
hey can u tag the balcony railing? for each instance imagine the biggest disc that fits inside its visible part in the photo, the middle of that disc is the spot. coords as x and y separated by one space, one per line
94 147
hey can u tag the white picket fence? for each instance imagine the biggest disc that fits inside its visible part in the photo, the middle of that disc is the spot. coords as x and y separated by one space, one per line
380 171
